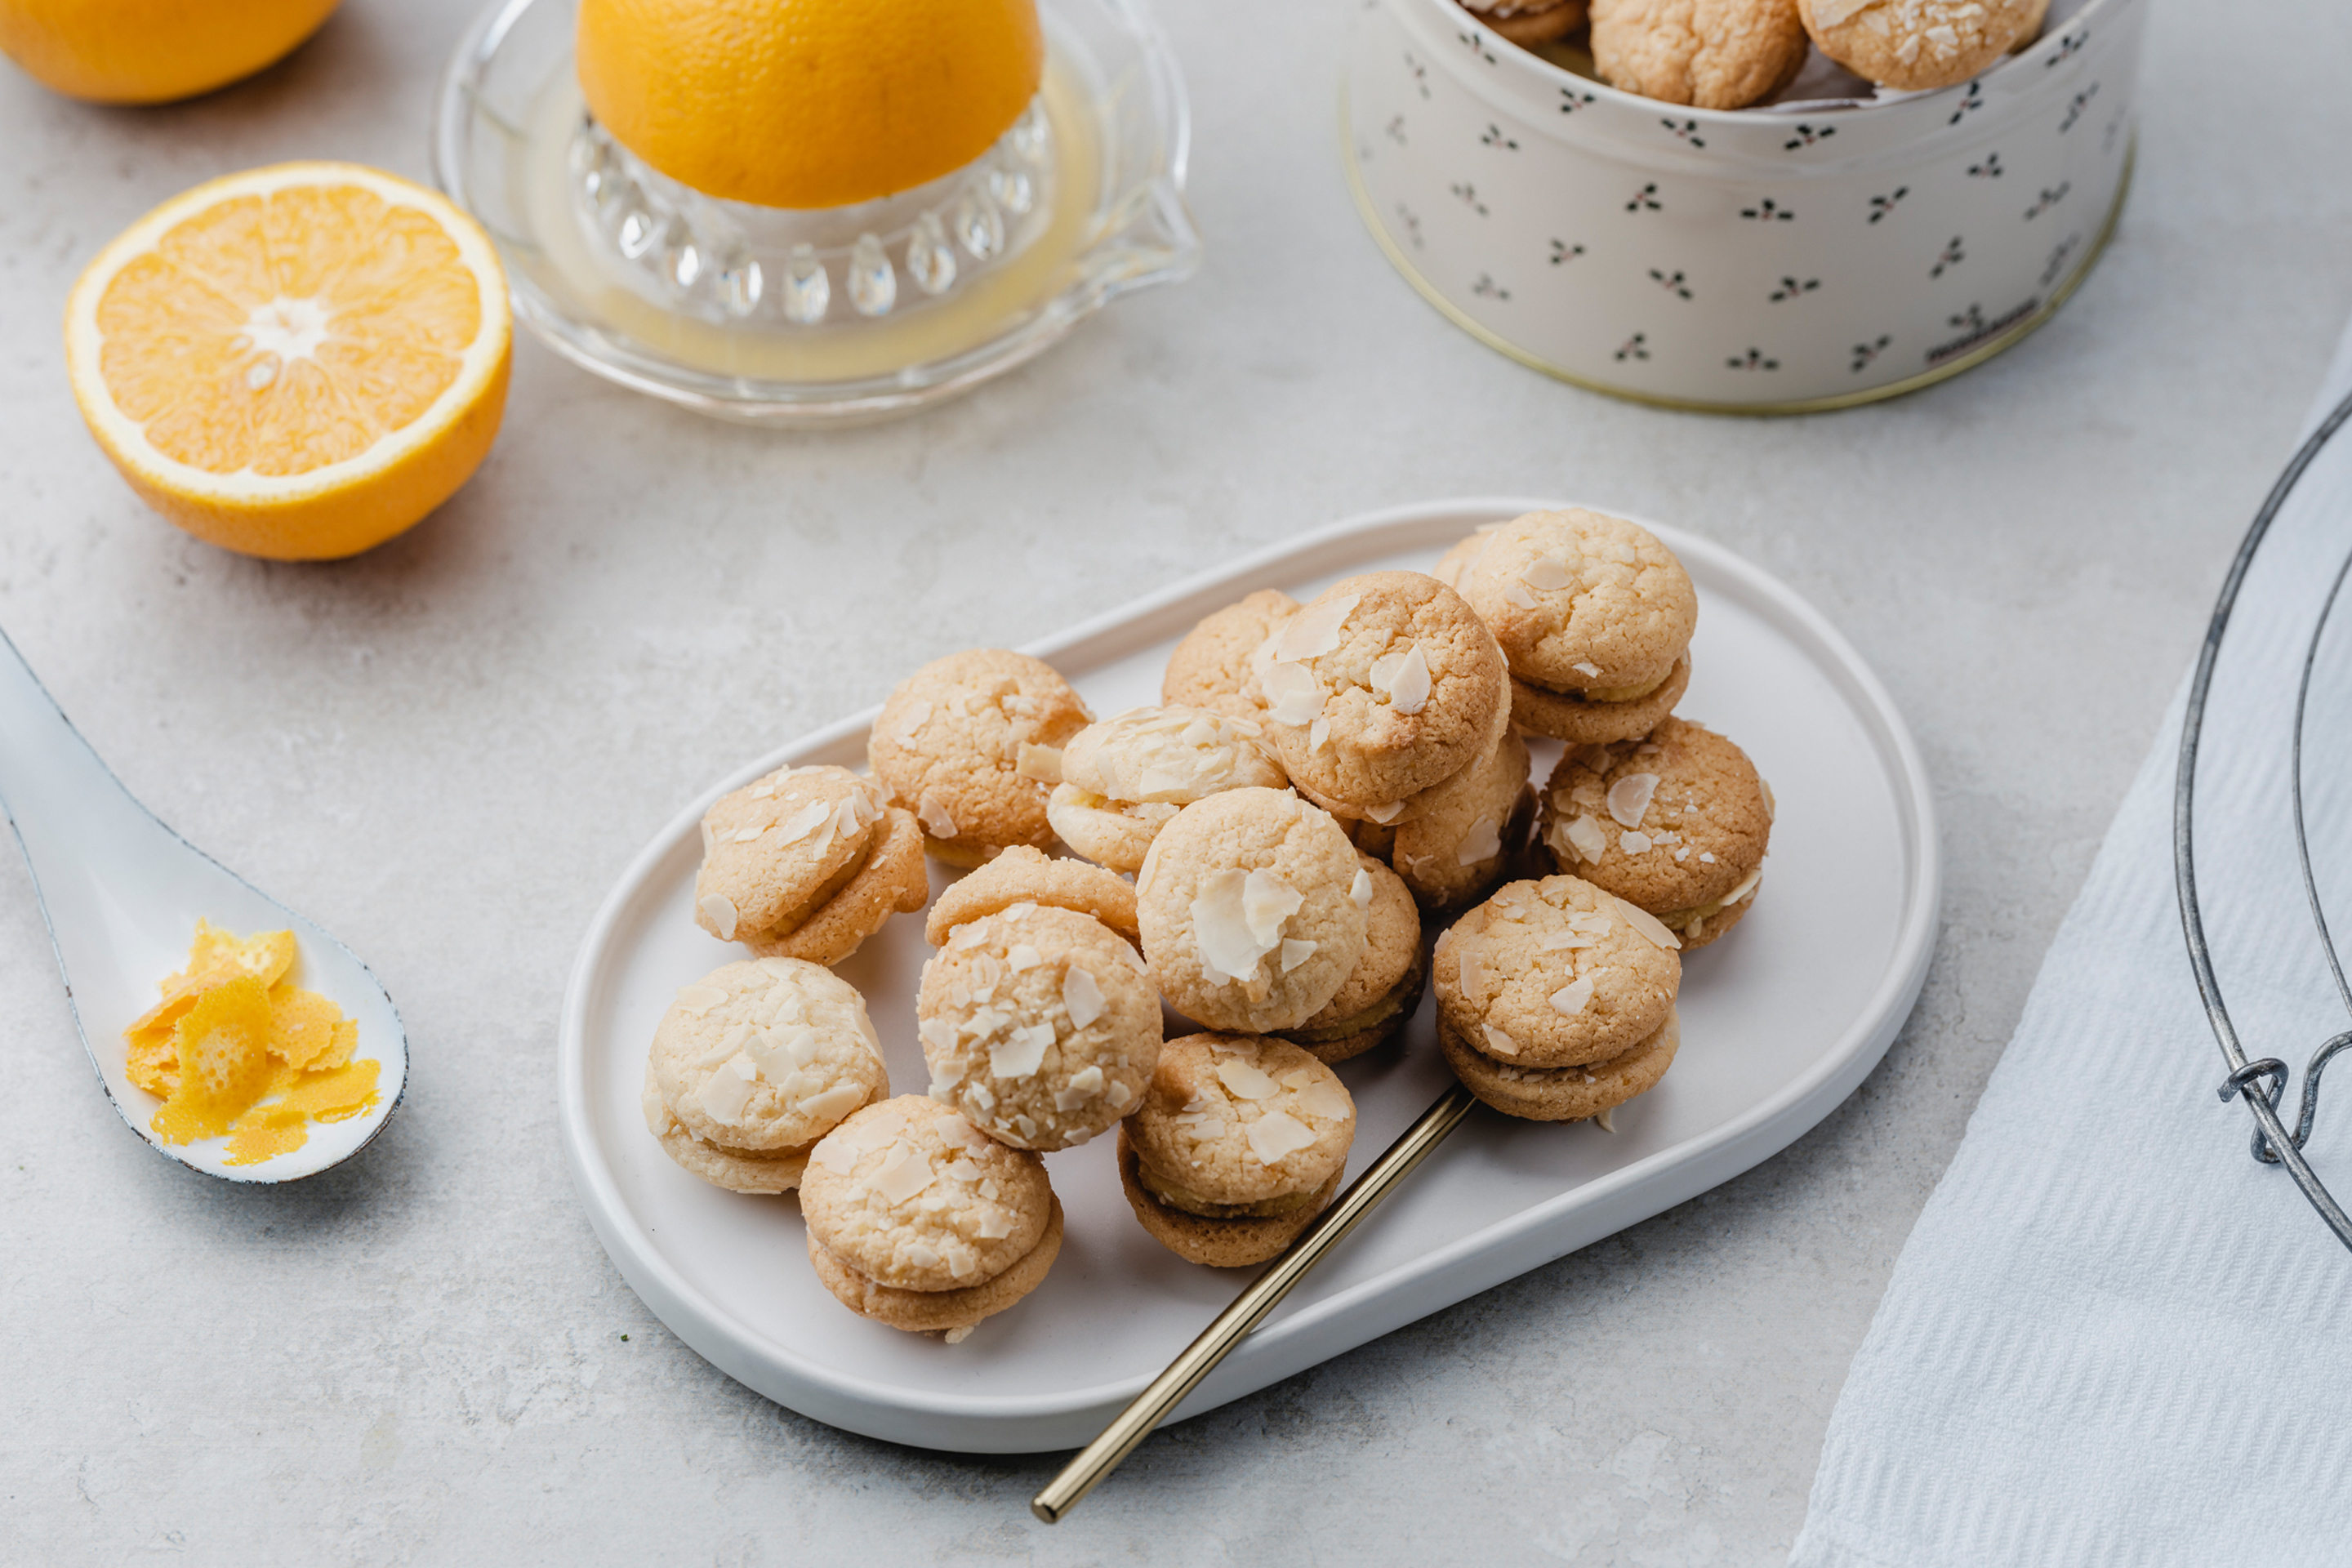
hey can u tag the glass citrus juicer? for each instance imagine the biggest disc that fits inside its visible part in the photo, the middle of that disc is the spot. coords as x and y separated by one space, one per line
809 211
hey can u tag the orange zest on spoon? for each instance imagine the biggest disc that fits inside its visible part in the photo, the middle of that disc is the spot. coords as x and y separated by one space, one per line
236 1049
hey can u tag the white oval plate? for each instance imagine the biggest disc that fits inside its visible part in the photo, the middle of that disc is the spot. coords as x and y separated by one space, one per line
1780 1022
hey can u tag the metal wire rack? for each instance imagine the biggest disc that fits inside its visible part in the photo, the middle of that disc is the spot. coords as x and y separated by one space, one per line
2263 1082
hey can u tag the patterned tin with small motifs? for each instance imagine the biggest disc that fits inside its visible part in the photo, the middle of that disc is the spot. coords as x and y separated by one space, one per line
1761 260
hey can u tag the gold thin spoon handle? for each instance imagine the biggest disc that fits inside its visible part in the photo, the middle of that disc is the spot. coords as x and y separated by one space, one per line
1167 1391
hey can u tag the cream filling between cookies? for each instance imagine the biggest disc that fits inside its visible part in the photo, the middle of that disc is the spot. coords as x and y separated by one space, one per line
1610 693
1154 813
778 1156
1176 1195
1681 920
1382 1012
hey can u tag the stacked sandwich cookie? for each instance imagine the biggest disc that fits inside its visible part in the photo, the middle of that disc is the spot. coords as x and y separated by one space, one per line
755 1062
1039 1023
1556 1000
1239 1144
918 1222
806 863
1122 779
1594 614
1675 823
971 745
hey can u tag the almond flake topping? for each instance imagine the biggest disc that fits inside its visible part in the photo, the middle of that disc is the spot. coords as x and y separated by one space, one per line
1245 1080
802 823
833 1104
1082 996
1745 888
1293 694
1402 679
1043 763
1384 814
1643 920
932 812
1587 669
1499 1042
1483 842
1326 1102
1020 1053
1276 1135
1571 999
954 1129
910 724
906 1171
699 999
1470 955
1360 891
1296 952
720 912
728 1091
745 835
996 1224
1022 957
1237 919
1315 631
1318 734
967 936
1634 843
1545 575
1771 810
1629 799
1584 836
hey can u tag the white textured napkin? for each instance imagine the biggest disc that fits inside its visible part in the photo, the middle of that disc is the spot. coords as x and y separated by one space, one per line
2113 1338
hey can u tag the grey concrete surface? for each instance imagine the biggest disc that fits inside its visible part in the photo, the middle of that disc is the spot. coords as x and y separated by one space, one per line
446 751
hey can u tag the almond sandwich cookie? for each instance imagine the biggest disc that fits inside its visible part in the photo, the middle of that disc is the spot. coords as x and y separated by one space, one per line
1386 684
1041 1025
1595 615
1916 44
1248 914
806 863
1526 22
1024 876
1556 999
1124 778
1677 824
970 744
1709 54
1380 992
1467 840
755 1062
1239 1144
1212 667
918 1222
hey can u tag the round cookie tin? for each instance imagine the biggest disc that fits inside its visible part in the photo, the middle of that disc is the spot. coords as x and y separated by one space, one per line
1777 260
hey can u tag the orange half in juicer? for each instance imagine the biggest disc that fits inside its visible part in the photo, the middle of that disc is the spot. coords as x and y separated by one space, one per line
818 211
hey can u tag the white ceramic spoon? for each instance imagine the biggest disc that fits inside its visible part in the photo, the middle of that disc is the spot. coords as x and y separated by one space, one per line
121 894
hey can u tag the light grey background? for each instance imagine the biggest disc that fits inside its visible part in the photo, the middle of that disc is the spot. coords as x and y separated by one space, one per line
447 750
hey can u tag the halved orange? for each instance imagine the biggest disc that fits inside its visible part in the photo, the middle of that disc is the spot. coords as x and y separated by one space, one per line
808 103
297 362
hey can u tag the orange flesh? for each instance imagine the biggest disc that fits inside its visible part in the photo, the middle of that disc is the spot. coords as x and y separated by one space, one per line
277 335
235 1049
